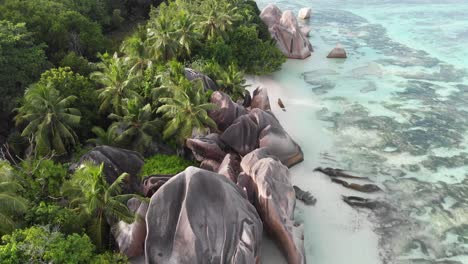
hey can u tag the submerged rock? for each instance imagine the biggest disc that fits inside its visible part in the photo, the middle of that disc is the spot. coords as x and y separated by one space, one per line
285 30
367 188
304 13
201 217
337 53
227 111
275 201
116 161
304 196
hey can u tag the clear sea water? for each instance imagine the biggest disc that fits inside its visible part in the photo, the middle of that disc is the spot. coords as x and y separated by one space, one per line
395 111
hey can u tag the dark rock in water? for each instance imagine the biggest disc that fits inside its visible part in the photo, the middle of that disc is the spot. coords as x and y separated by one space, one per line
207 147
210 165
321 86
337 53
280 103
361 202
368 188
200 217
242 135
152 183
116 161
304 196
275 201
227 111
260 99
230 167
208 84
247 99
285 30
337 173
130 238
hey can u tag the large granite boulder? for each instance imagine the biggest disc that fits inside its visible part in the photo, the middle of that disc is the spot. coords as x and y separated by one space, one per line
230 167
227 111
242 135
201 217
151 184
275 201
116 161
286 32
249 160
337 53
304 13
207 147
208 83
210 165
260 99
130 238
275 139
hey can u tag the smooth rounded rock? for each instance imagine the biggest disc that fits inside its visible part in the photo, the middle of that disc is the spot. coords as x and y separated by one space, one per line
304 13
337 53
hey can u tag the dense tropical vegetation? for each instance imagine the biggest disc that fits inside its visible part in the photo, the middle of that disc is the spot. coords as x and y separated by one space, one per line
80 73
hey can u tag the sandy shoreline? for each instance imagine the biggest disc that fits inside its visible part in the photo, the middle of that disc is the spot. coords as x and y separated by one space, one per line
334 232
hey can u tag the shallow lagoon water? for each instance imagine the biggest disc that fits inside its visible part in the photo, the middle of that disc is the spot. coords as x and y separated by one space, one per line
395 111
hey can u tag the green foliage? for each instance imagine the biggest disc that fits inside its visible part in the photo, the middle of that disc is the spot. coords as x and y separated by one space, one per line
91 195
55 216
165 164
49 119
21 62
69 83
12 204
77 64
43 178
56 24
117 82
138 125
109 257
41 245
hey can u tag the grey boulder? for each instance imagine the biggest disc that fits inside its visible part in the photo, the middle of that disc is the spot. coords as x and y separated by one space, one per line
208 83
260 99
116 161
201 217
207 147
227 111
230 167
242 135
337 53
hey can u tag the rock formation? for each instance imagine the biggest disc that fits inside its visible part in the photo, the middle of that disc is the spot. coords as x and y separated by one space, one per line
201 217
208 84
275 200
260 99
285 30
304 13
242 135
227 111
337 53
207 147
116 161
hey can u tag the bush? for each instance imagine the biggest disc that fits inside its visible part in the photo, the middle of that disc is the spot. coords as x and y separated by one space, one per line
41 245
165 164
57 217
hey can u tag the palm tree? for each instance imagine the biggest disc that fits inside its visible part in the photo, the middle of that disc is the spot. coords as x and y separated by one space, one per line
186 111
161 38
50 119
91 195
217 19
117 80
185 31
138 125
104 137
232 82
138 54
11 203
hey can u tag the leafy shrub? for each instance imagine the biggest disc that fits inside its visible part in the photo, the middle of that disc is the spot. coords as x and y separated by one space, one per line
109 257
55 216
41 245
165 164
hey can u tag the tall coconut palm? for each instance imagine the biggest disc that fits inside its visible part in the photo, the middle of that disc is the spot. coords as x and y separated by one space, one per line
186 111
137 124
91 195
104 137
138 54
232 81
117 82
161 38
50 119
11 203
217 19
185 31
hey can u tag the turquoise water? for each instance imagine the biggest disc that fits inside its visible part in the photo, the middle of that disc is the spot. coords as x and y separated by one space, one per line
396 111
